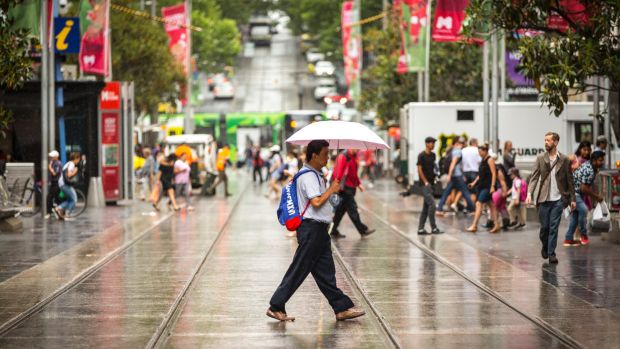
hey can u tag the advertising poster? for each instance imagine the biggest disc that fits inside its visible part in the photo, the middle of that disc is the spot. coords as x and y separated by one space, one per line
414 28
352 47
94 20
449 16
110 105
178 35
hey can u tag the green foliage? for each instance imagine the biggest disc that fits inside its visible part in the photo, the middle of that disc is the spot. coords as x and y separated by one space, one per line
140 54
217 44
16 66
559 62
455 70
241 10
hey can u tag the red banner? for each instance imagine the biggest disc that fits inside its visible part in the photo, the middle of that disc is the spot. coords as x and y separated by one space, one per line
573 9
179 36
448 22
94 49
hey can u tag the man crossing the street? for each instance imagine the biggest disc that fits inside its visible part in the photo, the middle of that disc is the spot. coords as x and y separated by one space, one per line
346 171
314 252
553 176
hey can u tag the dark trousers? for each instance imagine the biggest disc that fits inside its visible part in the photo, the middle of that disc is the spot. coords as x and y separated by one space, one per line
428 208
259 170
52 195
313 255
550 214
349 206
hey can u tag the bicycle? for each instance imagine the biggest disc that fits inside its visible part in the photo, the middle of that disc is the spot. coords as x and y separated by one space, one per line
31 199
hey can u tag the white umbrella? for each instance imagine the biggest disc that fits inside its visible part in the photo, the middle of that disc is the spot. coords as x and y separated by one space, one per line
340 135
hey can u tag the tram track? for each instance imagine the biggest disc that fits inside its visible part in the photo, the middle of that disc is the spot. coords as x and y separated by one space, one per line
78 279
160 337
554 332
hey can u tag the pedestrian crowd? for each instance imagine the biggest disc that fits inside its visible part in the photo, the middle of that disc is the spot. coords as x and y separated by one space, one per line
474 181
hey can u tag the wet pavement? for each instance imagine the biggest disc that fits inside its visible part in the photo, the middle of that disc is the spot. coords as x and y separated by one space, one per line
204 279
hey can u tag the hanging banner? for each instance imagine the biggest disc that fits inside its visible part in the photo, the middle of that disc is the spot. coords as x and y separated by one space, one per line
178 35
94 49
449 16
352 47
414 28
573 9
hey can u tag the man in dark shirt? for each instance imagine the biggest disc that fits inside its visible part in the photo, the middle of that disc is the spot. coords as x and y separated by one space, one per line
426 172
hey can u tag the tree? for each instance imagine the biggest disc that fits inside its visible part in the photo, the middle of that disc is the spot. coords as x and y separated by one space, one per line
455 70
140 54
217 45
570 42
16 65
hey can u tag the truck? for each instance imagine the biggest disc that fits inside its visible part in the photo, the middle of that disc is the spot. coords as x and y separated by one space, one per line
523 123
261 30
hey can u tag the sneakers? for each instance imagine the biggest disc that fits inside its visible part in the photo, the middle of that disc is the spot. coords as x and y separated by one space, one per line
520 226
584 240
436 231
368 232
454 208
571 243
553 260
423 232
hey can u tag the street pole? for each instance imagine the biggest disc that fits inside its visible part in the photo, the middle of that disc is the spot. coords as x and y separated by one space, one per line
596 110
384 21
153 8
494 93
51 71
485 90
189 113
420 86
607 119
502 66
44 106
427 58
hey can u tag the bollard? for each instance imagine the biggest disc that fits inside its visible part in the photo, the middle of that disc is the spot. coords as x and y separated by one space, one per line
100 191
93 193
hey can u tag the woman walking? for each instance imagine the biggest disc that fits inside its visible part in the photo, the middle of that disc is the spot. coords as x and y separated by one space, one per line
517 209
502 189
182 181
509 156
165 177
485 182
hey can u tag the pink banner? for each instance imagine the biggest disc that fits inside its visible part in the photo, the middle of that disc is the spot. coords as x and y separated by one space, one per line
573 9
352 47
448 22
94 50
175 16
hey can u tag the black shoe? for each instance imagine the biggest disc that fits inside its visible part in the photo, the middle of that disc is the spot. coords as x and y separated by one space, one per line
553 260
337 235
423 232
512 224
543 253
489 224
436 231
520 226
368 232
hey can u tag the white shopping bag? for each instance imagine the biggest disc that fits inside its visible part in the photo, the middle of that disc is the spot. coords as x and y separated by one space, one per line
600 218
567 212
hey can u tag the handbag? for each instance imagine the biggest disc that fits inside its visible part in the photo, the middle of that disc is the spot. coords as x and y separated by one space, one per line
69 180
600 222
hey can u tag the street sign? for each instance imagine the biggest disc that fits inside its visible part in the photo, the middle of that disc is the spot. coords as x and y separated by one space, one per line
66 35
111 96
110 108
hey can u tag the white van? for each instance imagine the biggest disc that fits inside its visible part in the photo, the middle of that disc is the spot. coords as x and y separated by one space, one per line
523 123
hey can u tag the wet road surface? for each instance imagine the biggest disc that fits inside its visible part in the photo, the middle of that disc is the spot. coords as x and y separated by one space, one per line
204 279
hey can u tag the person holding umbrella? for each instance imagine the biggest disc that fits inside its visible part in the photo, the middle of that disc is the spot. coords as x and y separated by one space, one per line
314 253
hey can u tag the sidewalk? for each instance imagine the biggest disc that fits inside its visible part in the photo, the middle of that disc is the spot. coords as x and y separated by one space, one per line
590 273
42 239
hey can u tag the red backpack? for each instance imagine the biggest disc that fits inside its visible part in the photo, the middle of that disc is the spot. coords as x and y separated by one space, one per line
523 192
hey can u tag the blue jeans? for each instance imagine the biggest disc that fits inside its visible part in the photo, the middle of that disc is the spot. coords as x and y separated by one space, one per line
550 214
458 183
69 203
578 217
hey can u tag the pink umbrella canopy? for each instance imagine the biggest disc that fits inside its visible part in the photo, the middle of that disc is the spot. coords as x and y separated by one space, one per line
340 135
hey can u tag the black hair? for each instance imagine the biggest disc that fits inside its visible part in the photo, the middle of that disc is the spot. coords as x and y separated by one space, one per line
315 147
584 144
172 157
597 154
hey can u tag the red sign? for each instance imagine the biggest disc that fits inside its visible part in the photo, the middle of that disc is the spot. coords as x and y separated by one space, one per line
448 22
110 98
573 9
174 17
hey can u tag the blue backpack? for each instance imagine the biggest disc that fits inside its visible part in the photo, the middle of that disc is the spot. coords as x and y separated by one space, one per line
288 210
